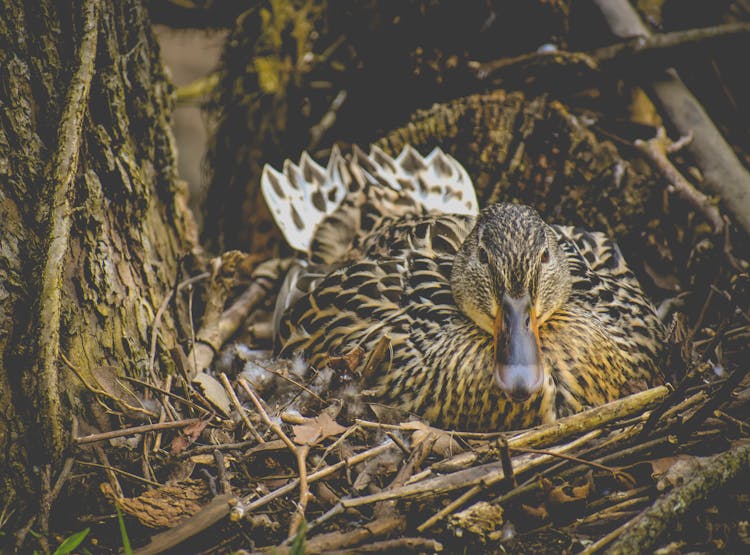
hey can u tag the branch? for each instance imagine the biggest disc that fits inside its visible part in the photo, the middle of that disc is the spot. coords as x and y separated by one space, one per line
93 438
655 150
564 428
722 170
659 49
221 506
643 533
299 451
214 333
655 51
64 167
201 87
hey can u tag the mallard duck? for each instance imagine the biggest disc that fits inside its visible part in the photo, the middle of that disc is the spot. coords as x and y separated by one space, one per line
491 319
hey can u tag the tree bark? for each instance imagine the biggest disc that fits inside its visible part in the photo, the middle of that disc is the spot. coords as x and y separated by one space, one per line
93 220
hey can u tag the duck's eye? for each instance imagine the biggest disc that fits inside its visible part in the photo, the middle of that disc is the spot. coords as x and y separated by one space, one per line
545 256
483 258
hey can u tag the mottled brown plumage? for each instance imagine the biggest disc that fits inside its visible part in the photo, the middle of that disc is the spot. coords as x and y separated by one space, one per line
450 291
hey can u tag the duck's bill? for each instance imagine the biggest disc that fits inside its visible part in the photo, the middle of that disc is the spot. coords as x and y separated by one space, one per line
518 367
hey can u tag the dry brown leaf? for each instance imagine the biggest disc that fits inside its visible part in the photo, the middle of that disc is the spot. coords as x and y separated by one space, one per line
108 382
564 494
306 434
444 444
558 496
187 436
213 391
538 513
348 362
320 427
583 492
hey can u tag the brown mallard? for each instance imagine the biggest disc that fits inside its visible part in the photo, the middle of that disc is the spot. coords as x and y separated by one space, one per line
492 320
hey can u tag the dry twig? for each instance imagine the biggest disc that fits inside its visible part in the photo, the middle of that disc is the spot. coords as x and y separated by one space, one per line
239 408
656 150
93 438
722 170
645 530
299 451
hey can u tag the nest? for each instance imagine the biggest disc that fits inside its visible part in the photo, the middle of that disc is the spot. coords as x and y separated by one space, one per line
283 459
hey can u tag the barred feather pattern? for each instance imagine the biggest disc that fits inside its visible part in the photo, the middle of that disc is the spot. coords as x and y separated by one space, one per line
603 343
321 210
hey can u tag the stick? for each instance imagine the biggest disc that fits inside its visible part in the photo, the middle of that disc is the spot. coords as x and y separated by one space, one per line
590 419
157 320
722 170
222 506
300 453
315 476
324 543
645 531
198 88
569 426
660 47
506 474
93 438
214 334
396 545
714 402
656 151
239 408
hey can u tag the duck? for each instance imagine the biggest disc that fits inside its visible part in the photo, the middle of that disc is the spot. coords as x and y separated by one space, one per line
477 320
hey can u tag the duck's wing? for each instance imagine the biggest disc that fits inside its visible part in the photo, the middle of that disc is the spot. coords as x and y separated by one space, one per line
608 322
322 211
599 268
376 284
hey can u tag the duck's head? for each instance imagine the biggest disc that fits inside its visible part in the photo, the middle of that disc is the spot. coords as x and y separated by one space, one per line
509 276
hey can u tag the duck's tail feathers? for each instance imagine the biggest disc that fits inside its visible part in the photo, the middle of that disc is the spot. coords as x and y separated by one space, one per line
437 182
302 196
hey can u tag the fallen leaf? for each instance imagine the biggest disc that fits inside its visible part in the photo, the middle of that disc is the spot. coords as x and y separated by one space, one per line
565 494
306 434
444 444
187 436
347 362
213 391
538 513
320 427
110 383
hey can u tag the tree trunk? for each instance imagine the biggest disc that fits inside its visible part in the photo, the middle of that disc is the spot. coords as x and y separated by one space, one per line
93 221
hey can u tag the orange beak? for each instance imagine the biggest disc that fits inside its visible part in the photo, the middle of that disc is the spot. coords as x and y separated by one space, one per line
518 366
